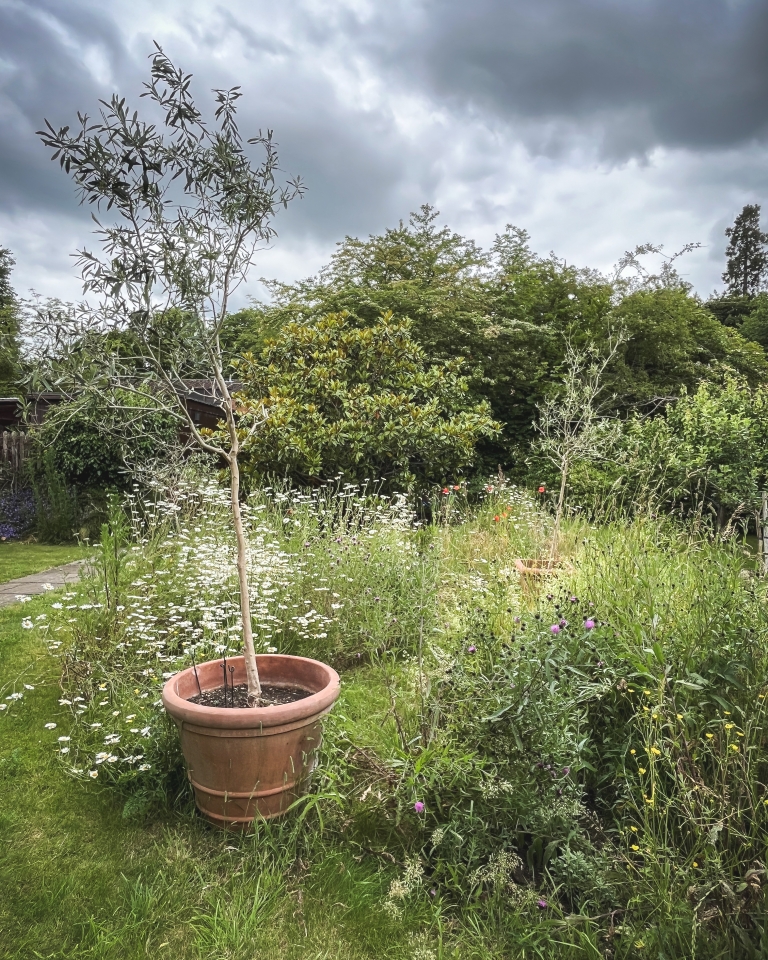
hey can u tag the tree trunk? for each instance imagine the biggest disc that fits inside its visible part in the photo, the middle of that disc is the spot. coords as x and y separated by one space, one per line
249 651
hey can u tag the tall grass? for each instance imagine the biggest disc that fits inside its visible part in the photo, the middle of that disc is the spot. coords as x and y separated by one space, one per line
574 770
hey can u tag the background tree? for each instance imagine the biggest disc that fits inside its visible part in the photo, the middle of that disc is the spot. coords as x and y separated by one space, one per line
747 259
755 325
190 210
674 343
509 313
362 402
10 359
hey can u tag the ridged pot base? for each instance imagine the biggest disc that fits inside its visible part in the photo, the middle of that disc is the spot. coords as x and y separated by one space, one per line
247 763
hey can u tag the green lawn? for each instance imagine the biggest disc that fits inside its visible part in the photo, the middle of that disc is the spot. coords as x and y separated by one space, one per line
21 559
77 880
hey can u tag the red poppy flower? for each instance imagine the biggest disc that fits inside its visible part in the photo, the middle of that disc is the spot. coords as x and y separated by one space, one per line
496 519
542 489
446 491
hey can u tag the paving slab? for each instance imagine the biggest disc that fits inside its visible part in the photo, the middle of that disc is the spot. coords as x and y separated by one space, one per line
39 582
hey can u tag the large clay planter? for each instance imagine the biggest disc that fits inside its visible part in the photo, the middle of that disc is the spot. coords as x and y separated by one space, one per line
246 763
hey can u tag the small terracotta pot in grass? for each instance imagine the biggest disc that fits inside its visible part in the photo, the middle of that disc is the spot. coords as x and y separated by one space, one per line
538 569
533 572
246 763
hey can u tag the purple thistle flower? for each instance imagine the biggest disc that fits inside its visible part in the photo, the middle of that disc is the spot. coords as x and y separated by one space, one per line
555 628
433 892
542 904
471 649
589 624
418 806
566 771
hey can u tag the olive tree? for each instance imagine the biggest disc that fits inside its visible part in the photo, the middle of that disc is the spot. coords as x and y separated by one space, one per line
180 209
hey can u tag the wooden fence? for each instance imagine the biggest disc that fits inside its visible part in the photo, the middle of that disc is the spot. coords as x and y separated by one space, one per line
761 522
14 453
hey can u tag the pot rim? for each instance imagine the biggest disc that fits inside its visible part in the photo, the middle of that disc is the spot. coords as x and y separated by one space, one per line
249 717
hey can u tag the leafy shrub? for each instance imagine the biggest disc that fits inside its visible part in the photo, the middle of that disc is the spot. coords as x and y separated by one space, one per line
94 444
57 506
361 403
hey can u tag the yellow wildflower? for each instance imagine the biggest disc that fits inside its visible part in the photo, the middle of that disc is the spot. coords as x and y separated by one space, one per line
679 716
695 864
739 733
635 846
709 735
729 726
632 752
634 829
656 751
647 693
735 747
641 769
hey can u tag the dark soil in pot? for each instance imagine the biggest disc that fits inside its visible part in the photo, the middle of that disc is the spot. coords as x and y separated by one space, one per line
237 696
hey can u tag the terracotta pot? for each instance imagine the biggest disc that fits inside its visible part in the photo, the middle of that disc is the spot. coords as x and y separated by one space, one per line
536 569
245 763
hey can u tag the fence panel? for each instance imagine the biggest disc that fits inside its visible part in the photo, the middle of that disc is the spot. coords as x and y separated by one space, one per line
14 452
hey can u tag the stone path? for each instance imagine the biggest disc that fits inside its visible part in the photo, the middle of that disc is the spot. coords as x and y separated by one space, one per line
35 582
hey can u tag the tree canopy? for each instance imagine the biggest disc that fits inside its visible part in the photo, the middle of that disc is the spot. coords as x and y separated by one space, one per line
512 315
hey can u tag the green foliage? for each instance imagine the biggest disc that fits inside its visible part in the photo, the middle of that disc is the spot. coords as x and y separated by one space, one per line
95 441
10 355
360 402
510 313
707 453
755 325
57 505
730 309
673 342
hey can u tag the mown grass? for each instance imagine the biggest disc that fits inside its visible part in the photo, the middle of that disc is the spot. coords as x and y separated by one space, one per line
79 880
22 559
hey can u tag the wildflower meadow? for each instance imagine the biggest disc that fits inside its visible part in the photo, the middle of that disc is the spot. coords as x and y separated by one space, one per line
574 767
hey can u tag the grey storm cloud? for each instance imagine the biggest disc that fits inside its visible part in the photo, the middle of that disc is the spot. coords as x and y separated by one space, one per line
675 73
597 124
43 73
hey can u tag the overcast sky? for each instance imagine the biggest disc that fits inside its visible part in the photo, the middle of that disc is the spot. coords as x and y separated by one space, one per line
594 124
